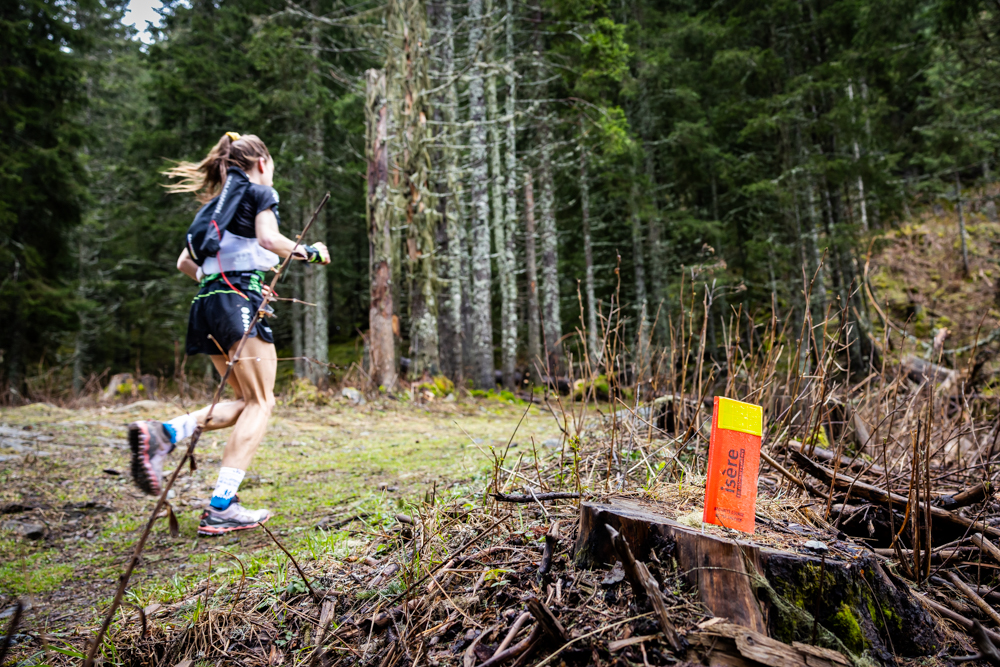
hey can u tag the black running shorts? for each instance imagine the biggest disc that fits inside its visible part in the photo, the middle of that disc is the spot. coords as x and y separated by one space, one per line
223 310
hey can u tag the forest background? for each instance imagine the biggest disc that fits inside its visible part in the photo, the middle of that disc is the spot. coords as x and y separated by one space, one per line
504 174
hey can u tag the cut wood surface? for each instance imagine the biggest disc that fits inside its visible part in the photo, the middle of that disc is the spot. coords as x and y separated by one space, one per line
853 585
714 566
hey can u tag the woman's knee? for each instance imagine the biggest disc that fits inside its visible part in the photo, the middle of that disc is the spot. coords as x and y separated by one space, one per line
265 402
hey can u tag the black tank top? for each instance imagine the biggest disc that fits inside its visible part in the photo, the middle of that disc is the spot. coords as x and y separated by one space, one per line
256 199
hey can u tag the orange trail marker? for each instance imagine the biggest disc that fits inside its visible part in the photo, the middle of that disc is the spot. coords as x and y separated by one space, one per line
733 464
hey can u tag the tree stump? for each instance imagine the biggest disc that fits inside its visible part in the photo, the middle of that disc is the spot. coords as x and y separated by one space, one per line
770 583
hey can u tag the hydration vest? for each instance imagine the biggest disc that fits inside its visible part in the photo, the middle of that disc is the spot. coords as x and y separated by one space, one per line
205 233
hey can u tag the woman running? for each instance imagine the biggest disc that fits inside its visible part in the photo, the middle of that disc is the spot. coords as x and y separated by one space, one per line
231 290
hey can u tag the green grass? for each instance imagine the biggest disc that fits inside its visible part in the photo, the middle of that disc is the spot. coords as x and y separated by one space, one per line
316 462
31 574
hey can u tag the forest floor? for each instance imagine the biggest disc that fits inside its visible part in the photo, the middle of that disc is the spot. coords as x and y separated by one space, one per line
65 474
339 476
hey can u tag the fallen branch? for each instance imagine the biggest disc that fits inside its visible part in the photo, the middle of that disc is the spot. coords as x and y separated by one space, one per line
517 649
987 650
599 630
964 498
877 495
518 624
553 495
986 546
644 585
780 468
955 617
974 597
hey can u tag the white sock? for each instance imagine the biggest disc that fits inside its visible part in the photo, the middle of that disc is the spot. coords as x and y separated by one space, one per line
227 486
183 426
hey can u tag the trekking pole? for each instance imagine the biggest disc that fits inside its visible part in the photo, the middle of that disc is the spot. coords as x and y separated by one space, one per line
161 502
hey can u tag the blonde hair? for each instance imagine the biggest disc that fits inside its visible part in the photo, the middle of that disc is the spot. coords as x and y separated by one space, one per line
206 177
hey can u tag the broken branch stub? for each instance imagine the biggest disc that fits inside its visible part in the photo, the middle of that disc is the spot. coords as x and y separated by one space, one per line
644 585
547 621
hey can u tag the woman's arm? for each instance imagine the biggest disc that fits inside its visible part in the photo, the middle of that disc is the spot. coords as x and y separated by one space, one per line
187 266
271 239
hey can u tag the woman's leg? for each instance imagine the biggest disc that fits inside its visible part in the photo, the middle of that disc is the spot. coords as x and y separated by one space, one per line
225 413
151 441
255 373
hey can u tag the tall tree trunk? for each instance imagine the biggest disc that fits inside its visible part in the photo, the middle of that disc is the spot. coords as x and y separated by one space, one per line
317 322
549 241
316 287
379 214
482 320
531 268
298 335
548 236
504 268
508 281
408 24
862 205
449 196
641 304
80 346
961 226
469 358
588 258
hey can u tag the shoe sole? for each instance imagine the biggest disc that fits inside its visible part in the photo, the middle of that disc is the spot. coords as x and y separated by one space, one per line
142 470
215 531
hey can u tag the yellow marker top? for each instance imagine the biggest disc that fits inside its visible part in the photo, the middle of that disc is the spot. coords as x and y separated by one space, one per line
742 417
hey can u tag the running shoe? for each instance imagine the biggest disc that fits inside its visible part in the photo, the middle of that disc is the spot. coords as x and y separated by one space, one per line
150 446
233 518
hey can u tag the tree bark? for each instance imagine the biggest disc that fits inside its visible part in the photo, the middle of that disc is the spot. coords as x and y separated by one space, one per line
408 25
961 225
298 335
549 240
641 304
508 281
449 248
317 317
531 268
482 320
862 204
379 214
588 258
504 268
767 589
316 288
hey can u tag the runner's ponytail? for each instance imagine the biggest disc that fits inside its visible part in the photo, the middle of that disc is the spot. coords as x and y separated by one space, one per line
205 178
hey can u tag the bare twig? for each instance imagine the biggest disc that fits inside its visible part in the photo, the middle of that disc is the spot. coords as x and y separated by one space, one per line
316 598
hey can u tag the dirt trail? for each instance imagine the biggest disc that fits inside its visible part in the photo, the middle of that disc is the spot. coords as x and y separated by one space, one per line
64 474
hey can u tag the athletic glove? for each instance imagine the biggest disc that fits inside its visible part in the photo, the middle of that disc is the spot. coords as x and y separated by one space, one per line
313 255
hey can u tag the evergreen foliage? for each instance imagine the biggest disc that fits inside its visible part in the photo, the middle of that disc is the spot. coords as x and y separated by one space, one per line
751 150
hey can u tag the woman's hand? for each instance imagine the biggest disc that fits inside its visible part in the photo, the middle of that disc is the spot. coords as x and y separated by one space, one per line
314 254
324 253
